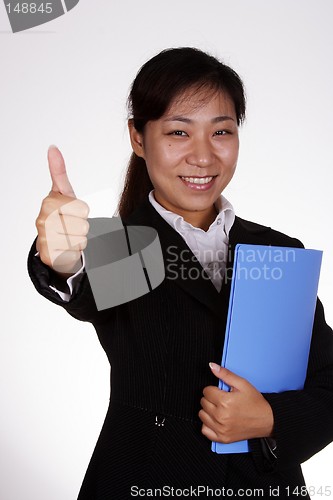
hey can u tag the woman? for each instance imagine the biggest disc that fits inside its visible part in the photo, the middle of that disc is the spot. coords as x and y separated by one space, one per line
165 346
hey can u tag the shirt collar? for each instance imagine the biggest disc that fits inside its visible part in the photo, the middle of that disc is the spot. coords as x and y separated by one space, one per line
225 216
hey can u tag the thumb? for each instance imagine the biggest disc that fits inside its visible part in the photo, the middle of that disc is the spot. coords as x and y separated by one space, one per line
60 181
230 378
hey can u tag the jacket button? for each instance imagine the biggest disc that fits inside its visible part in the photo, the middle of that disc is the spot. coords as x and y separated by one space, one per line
159 421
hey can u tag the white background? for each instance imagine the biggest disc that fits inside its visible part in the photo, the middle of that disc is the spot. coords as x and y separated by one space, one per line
66 83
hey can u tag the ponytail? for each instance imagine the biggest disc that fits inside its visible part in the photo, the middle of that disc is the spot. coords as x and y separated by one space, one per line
137 186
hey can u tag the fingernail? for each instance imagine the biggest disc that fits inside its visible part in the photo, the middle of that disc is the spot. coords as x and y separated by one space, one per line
214 367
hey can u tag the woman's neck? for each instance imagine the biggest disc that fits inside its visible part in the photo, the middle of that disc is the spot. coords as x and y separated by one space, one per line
201 219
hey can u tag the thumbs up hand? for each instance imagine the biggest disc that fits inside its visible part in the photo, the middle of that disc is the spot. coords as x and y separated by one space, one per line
62 221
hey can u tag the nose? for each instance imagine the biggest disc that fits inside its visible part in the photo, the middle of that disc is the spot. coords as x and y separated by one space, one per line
201 153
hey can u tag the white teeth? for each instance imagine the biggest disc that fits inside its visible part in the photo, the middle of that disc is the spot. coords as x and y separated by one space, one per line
198 180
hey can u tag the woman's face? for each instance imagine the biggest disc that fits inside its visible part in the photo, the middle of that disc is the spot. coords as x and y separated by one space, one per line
191 152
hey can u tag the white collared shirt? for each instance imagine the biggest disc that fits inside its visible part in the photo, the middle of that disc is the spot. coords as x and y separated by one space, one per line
209 247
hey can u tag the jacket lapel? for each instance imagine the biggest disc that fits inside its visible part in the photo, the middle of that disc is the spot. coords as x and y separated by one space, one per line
181 265
244 231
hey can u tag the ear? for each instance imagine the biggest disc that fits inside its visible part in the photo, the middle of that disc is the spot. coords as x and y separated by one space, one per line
136 139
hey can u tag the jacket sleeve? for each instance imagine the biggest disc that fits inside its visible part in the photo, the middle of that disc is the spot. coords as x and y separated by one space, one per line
81 305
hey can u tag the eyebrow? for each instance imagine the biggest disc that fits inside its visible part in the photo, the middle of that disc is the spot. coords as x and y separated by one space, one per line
217 119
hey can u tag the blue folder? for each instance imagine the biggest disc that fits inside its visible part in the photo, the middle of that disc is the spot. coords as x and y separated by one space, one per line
270 319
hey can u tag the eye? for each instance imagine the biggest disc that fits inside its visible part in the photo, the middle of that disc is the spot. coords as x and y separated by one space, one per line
179 133
222 132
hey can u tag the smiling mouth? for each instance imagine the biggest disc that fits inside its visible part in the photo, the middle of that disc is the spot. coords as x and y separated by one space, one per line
198 180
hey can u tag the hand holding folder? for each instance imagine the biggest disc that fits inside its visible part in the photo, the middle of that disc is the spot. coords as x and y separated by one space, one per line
270 319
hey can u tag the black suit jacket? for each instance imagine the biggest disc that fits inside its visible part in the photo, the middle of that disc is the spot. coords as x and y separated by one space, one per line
159 347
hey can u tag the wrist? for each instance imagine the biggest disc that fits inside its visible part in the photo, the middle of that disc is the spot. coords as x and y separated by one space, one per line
73 270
